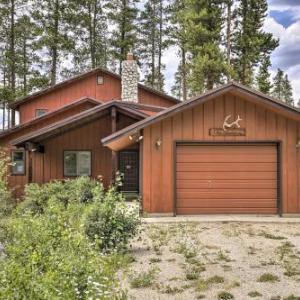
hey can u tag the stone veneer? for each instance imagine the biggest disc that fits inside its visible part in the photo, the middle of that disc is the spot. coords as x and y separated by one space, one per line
130 77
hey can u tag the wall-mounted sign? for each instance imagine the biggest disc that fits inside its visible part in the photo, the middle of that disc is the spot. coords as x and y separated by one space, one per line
229 128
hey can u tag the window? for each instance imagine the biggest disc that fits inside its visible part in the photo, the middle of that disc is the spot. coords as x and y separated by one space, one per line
100 79
18 162
77 163
40 112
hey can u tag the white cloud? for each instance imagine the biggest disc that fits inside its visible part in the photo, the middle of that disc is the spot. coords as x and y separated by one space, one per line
287 55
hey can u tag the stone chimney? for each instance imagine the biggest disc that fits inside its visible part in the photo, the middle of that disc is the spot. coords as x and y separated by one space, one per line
130 77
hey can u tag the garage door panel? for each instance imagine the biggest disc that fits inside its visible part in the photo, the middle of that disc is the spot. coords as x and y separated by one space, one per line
226 183
226 210
226 193
226 175
223 167
226 179
223 149
226 157
236 203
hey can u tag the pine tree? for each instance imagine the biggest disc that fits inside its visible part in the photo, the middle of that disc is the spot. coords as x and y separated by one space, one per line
282 88
208 63
263 78
287 94
178 34
52 17
250 42
153 31
278 85
123 16
90 26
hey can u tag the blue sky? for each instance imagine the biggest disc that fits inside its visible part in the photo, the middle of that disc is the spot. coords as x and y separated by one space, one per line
284 22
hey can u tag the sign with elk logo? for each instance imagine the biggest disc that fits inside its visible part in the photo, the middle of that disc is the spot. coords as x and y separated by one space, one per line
229 128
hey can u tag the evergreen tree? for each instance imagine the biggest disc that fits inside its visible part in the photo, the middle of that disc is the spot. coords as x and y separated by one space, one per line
178 34
287 94
203 25
263 78
298 104
123 16
153 31
90 26
52 16
278 85
282 88
250 42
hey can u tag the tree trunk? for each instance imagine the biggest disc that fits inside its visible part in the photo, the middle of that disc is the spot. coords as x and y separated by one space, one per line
24 67
183 73
228 36
13 59
160 44
54 50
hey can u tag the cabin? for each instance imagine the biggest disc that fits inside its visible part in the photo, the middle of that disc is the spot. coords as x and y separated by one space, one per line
231 150
61 127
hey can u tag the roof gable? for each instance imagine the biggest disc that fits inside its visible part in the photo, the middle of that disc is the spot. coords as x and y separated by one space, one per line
64 83
51 114
233 87
78 120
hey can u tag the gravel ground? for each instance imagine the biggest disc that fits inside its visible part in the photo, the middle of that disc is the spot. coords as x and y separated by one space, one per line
215 261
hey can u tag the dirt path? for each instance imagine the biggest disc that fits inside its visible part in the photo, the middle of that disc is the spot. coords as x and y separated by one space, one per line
215 261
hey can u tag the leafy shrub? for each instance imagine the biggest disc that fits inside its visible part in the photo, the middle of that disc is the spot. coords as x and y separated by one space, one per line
268 277
113 223
80 190
5 195
48 256
144 279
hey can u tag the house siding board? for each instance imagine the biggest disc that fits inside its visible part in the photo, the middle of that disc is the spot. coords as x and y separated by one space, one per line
261 125
86 87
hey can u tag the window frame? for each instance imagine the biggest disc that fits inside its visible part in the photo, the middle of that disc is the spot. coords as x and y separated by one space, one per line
12 161
77 151
45 110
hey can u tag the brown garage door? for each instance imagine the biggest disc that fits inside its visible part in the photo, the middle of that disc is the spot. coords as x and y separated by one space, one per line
226 179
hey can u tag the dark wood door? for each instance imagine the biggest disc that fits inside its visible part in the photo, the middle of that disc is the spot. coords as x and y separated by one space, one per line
129 167
226 179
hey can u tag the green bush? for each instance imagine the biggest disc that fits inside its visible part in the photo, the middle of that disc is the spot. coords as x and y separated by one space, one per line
5 194
80 190
112 224
48 256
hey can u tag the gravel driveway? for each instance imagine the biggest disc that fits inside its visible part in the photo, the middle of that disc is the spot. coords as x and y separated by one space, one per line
215 261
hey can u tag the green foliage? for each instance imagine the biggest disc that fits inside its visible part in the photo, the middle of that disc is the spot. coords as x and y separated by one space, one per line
250 42
225 296
112 223
49 257
254 294
263 77
80 190
50 248
144 279
282 88
268 277
5 194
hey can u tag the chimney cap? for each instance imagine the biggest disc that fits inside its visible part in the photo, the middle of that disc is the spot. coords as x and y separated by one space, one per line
130 56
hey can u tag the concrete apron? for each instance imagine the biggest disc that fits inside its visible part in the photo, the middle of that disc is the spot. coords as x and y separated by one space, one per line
287 219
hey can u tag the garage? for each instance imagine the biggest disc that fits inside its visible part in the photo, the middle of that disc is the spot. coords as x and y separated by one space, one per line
226 178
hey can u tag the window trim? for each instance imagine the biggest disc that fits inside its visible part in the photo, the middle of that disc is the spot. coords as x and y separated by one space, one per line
79 150
12 167
46 110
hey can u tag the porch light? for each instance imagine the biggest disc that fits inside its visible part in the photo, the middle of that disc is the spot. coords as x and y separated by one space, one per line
136 137
298 144
158 143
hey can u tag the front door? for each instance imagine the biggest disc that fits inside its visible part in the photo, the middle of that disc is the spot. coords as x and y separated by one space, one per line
129 167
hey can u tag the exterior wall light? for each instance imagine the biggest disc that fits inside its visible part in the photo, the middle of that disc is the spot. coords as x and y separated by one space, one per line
136 137
298 144
158 143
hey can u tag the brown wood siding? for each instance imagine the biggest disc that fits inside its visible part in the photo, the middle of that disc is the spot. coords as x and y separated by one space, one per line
226 178
193 124
49 166
86 87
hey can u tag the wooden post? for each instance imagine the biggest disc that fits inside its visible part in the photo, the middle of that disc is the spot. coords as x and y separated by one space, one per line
30 170
114 155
